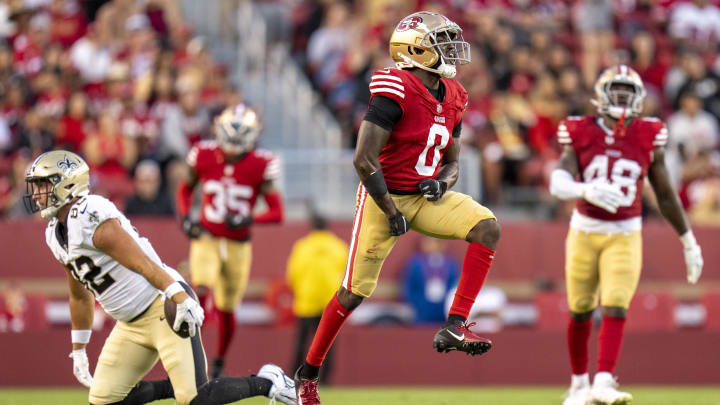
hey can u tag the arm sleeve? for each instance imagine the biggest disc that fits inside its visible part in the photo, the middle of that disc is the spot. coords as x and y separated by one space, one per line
383 112
457 130
184 198
274 213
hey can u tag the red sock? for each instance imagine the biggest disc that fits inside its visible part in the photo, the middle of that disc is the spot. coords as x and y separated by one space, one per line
610 342
475 268
226 330
333 318
578 334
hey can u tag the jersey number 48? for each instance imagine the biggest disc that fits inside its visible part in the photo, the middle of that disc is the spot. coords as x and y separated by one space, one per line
624 173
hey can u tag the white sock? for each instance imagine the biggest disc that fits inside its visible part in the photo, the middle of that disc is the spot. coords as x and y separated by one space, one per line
580 380
603 377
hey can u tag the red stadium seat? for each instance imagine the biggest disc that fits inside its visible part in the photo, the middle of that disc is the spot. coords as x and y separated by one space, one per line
651 311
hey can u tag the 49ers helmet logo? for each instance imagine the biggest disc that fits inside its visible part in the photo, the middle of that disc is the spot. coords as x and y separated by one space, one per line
409 23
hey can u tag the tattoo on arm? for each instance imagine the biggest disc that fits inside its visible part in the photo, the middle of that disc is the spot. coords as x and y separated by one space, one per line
667 198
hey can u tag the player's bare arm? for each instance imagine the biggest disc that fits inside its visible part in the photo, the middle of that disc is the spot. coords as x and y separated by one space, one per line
371 140
111 238
563 185
670 208
82 307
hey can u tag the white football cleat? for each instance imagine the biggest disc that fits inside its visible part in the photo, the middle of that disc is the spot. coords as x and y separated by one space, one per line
604 391
283 388
579 392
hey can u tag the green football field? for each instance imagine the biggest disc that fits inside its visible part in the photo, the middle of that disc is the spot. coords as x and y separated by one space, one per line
415 396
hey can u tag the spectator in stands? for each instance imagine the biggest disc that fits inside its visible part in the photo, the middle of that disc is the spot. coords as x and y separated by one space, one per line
12 314
692 131
91 56
594 20
108 151
428 276
73 127
149 198
33 133
696 22
315 269
184 124
705 84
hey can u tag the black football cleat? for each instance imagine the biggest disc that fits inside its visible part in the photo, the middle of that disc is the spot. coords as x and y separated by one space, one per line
306 390
459 337
218 366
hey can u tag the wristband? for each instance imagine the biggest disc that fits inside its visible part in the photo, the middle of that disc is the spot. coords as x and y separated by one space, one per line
81 336
173 289
688 239
375 184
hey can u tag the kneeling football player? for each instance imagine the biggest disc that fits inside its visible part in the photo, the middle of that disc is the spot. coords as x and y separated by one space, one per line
108 261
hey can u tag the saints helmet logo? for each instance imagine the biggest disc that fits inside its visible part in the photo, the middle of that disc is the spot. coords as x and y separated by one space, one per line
66 164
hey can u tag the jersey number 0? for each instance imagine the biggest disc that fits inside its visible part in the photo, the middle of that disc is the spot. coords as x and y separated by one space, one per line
421 166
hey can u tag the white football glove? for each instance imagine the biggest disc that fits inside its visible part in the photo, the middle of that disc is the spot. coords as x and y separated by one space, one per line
81 367
191 312
693 257
604 195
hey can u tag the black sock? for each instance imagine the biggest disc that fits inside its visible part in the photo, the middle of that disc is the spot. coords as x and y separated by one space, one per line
148 391
454 319
308 371
225 390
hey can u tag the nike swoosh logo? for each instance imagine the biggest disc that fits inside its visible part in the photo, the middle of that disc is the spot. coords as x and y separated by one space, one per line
461 337
84 209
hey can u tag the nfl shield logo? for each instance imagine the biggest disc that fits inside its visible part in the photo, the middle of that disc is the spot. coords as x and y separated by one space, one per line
439 108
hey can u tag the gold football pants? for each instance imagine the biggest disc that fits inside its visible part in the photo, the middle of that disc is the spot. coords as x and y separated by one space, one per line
223 265
451 217
604 265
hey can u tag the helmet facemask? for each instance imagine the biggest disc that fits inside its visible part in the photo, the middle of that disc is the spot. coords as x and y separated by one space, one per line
452 49
237 130
623 98
40 195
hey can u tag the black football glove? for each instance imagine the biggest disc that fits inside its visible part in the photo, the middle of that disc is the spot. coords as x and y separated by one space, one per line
398 224
238 221
191 228
432 189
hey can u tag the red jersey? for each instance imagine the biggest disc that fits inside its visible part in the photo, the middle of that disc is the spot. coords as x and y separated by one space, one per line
229 188
623 160
420 138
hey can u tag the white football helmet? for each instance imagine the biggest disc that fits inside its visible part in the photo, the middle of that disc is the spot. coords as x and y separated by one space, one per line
431 42
237 128
616 102
59 176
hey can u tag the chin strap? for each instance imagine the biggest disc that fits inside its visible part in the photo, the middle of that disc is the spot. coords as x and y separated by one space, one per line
444 70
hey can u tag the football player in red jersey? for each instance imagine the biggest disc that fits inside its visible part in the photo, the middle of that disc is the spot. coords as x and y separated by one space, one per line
611 154
407 159
232 175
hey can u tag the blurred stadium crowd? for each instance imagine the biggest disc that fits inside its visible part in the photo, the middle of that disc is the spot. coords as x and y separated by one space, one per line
126 81
533 63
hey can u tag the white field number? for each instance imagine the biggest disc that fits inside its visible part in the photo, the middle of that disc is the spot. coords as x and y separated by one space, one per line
624 173
226 197
435 130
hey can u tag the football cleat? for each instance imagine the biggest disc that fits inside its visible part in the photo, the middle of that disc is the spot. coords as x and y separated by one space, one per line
579 392
306 390
459 337
283 388
604 391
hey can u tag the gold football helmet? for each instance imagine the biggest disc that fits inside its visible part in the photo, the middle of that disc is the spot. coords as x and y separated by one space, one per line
237 128
58 176
619 90
431 42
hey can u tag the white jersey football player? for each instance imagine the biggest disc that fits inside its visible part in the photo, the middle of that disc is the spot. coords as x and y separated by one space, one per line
108 261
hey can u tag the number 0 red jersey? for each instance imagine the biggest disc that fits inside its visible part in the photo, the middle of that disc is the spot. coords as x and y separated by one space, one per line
229 188
420 138
623 160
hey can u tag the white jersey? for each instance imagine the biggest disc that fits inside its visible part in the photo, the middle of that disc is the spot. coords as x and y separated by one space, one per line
123 293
